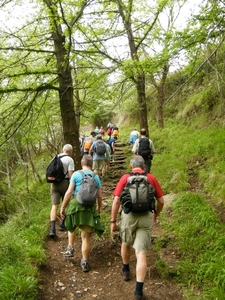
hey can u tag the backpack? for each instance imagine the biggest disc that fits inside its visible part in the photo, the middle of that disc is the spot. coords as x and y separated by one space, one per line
109 131
100 147
55 171
87 144
87 193
138 196
144 149
115 132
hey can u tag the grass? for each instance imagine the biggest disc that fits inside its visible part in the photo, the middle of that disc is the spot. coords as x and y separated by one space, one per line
199 241
22 251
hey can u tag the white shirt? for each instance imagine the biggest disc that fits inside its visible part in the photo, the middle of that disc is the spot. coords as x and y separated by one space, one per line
136 146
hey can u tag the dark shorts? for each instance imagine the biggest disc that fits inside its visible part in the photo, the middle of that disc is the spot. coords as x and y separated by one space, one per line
58 191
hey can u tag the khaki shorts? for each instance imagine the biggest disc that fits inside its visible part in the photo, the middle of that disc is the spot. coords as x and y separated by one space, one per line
136 230
58 191
98 164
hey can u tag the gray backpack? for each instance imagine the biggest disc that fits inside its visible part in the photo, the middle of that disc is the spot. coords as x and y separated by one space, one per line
87 193
138 196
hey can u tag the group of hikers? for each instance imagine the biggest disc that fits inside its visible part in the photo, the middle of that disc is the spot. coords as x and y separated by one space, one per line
136 217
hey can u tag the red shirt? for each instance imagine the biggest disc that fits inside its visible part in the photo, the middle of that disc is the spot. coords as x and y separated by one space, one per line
151 179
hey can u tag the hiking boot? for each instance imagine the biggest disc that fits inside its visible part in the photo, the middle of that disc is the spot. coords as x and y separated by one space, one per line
84 266
125 275
52 233
69 251
62 227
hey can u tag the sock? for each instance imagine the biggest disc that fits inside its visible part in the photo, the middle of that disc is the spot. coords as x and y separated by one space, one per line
52 225
139 288
126 268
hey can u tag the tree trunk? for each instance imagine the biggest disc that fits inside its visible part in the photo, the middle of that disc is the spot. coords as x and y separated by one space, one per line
140 85
69 122
160 93
160 100
139 77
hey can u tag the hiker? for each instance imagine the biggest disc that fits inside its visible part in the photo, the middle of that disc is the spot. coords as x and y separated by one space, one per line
105 168
84 217
88 141
102 131
81 141
144 146
112 142
135 228
133 137
96 130
109 129
115 131
58 190
98 148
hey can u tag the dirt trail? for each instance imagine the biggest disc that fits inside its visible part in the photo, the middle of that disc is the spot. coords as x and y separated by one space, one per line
62 278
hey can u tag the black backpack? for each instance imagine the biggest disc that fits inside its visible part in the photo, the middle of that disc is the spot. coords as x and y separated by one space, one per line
87 193
55 172
100 147
144 149
138 196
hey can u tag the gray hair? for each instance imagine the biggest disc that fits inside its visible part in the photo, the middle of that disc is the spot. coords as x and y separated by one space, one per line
137 161
87 160
67 148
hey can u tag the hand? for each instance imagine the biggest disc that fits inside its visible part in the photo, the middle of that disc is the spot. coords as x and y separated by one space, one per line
62 214
112 229
155 218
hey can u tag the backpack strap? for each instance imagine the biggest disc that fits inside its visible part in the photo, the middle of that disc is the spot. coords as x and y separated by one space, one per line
132 173
83 174
60 156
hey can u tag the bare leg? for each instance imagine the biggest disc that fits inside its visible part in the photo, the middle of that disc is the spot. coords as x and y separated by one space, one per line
53 213
141 267
71 238
86 244
125 253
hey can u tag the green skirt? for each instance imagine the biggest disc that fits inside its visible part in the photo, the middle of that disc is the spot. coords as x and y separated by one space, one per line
77 214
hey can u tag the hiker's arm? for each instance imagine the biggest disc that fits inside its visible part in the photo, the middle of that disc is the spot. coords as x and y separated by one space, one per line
70 173
66 199
90 151
99 201
160 204
114 211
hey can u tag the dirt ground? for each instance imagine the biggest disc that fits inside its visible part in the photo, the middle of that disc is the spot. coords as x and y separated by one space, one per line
63 279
